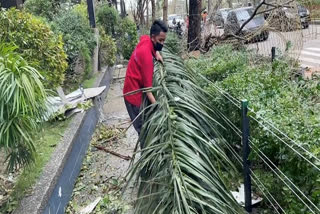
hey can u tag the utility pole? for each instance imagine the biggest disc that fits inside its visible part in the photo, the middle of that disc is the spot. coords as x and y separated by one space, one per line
91 13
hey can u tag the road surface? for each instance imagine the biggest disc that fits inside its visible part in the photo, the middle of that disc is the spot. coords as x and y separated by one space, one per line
304 45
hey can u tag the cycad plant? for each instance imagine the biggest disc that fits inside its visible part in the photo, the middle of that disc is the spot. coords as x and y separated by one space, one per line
180 165
22 104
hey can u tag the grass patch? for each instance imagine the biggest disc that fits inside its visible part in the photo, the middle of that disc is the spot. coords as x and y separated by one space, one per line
90 82
48 139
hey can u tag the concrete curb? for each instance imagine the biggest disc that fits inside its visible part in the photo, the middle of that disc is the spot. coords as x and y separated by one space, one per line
43 197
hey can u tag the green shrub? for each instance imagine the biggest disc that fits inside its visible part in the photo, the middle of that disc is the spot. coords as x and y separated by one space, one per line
22 106
290 104
174 43
108 49
44 8
293 109
79 42
107 17
127 37
37 44
222 62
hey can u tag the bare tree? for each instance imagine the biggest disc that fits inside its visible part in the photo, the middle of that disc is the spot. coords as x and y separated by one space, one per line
153 8
209 7
229 3
194 25
147 8
165 11
123 8
212 39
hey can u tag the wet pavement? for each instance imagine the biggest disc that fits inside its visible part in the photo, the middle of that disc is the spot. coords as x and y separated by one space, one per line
102 177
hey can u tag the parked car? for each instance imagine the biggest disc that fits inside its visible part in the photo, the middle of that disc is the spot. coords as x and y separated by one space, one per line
287 19
304 14
237 17
221 17
173 20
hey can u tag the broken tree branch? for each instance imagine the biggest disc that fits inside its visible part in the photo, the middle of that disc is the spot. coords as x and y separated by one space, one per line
251 17
112 152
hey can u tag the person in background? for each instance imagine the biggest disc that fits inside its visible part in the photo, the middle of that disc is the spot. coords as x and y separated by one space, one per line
139 74
204 16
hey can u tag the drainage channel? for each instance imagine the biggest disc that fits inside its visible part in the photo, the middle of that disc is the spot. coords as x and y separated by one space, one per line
64 186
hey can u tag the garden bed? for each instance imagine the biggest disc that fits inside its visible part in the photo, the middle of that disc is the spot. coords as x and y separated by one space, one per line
17 185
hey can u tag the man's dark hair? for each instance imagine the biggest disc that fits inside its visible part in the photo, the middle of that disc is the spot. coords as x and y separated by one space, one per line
157 27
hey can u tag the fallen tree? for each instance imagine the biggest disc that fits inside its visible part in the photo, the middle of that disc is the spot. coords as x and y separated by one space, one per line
182 155
211 40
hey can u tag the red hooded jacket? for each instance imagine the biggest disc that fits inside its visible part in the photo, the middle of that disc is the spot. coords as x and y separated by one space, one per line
139 71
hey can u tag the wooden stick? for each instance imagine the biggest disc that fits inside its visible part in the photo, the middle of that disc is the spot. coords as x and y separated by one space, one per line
113 153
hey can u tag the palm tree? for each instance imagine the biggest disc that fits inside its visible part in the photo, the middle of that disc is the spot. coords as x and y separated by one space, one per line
22 106
182 152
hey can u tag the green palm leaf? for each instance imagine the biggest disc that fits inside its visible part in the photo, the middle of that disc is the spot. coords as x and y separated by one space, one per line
179 165
22 106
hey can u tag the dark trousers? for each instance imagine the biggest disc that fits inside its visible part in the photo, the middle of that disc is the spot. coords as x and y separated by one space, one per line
133 112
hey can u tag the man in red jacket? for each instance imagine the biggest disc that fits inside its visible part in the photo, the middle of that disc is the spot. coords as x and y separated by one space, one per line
139 73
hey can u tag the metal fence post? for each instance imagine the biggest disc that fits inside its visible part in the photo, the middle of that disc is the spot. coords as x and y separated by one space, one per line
273 53
246 152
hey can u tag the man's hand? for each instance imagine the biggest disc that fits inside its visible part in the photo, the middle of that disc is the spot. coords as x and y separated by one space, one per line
151 97
159 57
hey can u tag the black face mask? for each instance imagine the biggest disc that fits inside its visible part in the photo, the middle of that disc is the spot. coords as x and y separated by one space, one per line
158 46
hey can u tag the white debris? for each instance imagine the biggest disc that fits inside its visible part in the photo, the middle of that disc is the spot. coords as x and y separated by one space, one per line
239 196
56 105
88 209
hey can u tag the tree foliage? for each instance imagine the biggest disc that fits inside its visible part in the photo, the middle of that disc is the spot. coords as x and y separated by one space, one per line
44 8
288 102
22 105
37 44
79 41
107 49
127 37
107 18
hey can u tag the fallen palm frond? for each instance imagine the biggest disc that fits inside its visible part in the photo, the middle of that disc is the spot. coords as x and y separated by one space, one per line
180 163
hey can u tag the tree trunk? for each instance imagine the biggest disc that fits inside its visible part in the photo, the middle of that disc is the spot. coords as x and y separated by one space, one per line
115 4
187 10
194 25
147 13
230 3
153 10
174 5
158 8
123 8
209 7
165 11
213 10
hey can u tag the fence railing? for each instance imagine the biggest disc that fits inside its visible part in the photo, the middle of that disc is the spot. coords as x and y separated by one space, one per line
249 146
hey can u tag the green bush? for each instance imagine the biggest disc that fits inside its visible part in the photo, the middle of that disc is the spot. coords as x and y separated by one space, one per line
107 17
174 43
37 44
22 106
79 42
44 8
222 62
108 49
289 103
127 37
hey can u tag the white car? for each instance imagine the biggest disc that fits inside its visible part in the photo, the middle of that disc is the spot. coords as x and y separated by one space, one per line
176 18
